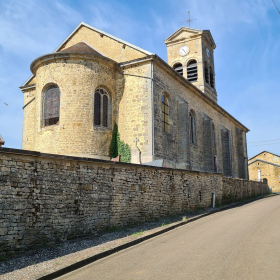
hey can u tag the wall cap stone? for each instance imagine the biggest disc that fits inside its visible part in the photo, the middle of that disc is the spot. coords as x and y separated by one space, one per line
93 160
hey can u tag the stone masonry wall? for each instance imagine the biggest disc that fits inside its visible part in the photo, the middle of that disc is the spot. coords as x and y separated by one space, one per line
49 198
165 144
75 134
105 45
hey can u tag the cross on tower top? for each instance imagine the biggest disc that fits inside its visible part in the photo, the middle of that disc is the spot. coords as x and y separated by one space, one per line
189 20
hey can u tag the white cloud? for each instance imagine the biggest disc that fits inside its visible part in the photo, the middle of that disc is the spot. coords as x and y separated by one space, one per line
33 27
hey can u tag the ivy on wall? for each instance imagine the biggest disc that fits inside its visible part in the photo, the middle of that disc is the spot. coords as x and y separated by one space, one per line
118 147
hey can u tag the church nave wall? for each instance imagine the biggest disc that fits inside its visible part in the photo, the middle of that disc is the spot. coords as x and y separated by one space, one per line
104 44
199 153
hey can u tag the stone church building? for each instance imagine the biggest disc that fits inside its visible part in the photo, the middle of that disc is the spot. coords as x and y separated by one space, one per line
94 80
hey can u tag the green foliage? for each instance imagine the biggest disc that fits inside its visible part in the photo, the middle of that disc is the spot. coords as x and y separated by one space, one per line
118 147
114 142
137 233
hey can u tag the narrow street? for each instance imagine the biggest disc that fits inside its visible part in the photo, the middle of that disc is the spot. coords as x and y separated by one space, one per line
240 243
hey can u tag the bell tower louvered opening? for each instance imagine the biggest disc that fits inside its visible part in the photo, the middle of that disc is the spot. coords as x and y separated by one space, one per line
178 67
192 71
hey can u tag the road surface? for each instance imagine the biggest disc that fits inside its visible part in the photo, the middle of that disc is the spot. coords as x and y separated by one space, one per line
240 243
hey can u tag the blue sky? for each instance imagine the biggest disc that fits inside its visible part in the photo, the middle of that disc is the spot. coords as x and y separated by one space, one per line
246 58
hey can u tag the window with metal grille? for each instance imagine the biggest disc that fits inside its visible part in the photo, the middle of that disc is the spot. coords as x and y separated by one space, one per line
192 128
178 67
165 113
192 71
212 82
206 73
101 105
51 106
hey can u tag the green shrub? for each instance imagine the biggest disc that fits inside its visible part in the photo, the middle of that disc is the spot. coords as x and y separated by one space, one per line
118 147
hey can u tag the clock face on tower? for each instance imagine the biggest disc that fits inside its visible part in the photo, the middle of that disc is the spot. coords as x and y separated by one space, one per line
184 50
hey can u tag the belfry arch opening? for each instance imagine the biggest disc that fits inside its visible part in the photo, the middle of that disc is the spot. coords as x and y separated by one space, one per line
192 71
178 67
206 73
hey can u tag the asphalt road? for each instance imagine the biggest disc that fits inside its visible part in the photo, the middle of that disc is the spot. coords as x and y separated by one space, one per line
240 243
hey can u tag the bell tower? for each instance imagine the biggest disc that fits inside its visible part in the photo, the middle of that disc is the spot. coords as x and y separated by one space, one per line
190 52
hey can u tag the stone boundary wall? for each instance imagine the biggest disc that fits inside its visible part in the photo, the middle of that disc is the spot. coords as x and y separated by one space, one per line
49 198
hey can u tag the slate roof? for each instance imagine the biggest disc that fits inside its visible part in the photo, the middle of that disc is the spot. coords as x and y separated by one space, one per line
81 47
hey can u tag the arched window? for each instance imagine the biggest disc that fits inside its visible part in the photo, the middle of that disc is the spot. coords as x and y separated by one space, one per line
178 67
212 82
192 71
165 113
206 73
101 107
51 105
192 128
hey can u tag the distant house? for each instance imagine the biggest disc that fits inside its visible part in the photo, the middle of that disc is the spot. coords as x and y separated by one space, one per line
266 165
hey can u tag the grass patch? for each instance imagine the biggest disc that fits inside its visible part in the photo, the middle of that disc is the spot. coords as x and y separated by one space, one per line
165 224
137 233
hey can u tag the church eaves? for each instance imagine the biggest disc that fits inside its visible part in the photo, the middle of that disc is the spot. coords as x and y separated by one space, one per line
206 33
104 33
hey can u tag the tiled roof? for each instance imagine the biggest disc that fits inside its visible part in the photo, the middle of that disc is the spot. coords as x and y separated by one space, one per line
81 48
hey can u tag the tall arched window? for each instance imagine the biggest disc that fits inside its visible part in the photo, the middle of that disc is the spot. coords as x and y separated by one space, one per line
206 73
101 107
178 67
212 82
51 105
192 71
192 128
165 113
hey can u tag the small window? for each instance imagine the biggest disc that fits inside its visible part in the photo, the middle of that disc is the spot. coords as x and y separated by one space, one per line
206 73
192 71
101 105
178 67
212 82
51 106
192 128
165 113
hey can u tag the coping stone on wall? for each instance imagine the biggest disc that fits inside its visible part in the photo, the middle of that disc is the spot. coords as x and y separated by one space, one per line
85 159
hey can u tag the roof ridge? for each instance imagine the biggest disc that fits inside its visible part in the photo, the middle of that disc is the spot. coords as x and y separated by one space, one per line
104 33
263 152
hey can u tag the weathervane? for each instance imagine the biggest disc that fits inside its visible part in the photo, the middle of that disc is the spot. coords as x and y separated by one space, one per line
189 20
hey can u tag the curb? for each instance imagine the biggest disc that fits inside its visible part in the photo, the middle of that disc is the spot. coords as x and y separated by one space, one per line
119 248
